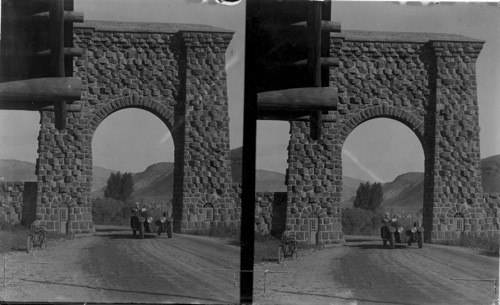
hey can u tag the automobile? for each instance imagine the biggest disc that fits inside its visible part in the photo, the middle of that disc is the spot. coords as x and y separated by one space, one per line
165 224
140 221
394 233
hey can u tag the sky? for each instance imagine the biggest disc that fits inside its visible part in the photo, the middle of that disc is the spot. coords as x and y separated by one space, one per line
377 150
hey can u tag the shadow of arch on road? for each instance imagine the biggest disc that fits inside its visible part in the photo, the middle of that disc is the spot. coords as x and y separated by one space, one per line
380 246
346 299
112 229
125 291
347 239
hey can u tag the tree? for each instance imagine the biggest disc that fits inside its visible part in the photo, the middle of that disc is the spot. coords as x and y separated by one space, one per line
377 196
119 186
127 186
368 196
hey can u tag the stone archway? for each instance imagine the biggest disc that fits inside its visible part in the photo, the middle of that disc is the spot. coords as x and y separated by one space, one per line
428 84
384 111
135 101
154 71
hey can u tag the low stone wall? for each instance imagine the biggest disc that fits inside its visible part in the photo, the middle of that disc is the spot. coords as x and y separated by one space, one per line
492 210
263 211
270 212
11 199
18 202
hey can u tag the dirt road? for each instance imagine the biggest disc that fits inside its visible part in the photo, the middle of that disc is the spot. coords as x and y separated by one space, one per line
112 266
364 272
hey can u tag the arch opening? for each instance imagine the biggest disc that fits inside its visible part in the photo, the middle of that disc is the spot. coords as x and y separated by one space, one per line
137 143
386 151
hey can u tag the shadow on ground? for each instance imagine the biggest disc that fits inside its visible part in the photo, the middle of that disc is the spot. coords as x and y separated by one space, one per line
374 246
347 299
127 235
126 291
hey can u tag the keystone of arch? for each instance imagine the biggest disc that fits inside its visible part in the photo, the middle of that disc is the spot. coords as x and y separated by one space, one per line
384 111
134 101
208 200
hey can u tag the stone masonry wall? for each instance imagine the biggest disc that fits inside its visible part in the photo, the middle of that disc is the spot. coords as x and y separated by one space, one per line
176 72
263 212
456 156
207 168
426 82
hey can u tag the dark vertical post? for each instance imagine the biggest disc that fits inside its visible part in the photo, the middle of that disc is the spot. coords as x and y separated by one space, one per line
314 17
248 171
68 38
56 33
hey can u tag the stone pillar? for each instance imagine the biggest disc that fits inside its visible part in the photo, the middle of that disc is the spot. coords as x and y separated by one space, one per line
64 171
314 182
206 169
456 179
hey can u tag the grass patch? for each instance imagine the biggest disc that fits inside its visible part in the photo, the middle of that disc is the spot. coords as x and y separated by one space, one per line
12 237
265 248
487 245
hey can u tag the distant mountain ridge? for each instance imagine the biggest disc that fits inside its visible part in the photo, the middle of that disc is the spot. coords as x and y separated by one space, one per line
156 181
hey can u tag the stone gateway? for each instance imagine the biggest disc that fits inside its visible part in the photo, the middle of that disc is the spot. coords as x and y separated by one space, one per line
174 71
425 81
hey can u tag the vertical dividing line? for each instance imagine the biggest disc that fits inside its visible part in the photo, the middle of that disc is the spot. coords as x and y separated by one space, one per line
4 272
56 32
314 16
265 275
314 47
248 171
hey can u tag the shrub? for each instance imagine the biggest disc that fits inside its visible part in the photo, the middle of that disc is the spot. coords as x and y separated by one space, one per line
12 237
486 244
265 247
360 222
109 211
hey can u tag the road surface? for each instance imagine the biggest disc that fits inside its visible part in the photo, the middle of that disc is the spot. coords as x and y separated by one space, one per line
112 266
363 271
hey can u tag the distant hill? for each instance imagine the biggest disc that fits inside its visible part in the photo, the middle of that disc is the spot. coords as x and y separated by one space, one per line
406 192
15 170
490 168
156 181
100 177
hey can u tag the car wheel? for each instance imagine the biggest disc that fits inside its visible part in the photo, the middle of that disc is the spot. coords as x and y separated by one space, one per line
170 231
43 240
141 230
281 255
421 240
393 242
